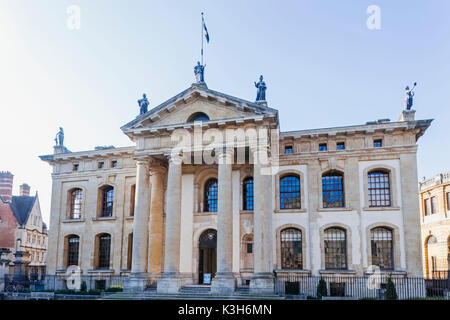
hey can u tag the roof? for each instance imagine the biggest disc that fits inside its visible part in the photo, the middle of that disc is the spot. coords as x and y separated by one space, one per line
21 207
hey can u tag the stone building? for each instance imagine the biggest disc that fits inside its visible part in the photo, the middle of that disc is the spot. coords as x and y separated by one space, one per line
435 222
212 188
23 233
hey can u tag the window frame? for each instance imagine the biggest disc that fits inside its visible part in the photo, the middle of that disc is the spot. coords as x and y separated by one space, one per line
288 149
391 250
290 194
73 251
104 208
210 199
248 196
287 246
333 260
385 175
104 258
332 173
79 198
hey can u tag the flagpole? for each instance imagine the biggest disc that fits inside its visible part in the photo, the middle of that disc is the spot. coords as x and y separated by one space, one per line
202 37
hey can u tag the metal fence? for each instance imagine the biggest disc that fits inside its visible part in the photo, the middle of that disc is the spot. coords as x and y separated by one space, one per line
369 287
62 282
345 286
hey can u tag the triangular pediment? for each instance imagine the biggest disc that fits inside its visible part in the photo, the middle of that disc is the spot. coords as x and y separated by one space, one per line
217 106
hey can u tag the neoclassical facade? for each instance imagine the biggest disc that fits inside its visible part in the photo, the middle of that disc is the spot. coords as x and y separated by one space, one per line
435 221
213 190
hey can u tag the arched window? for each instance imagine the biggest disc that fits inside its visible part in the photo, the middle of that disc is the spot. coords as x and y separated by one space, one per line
333 190
291 249
379 189
247 193
335 244
107 201
382 248
198 116
431 240
73 246
104 250
290 192
76 203
211 195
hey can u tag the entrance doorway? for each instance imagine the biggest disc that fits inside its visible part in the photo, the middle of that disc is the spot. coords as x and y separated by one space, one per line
207 256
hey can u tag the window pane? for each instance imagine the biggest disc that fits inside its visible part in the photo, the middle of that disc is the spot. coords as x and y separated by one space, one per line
72 251
108 200
290 193
291 249
104 251
335 249
76 201
379 189
211 195
332 190
382 248
248 194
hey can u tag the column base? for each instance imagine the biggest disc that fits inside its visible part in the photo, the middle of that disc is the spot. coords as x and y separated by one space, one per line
262 283
136 282
169 283
223 283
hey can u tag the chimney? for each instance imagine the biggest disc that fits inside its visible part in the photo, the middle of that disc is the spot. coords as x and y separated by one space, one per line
6 185
24 190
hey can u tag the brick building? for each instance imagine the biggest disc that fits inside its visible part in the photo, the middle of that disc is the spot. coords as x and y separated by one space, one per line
21 227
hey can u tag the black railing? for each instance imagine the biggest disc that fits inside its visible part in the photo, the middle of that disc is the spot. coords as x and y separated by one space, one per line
369 287
62 282
345 286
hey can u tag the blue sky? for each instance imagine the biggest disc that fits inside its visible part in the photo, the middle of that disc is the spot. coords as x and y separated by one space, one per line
322 65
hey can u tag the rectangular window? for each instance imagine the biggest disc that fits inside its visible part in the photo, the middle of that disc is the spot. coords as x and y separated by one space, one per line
377 143
114 164
249 247
101 165
288 150
340 146
323 147
75 167
427 207
448 200
433 205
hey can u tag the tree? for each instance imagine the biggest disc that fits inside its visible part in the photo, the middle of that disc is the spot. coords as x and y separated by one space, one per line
83 287
321 289
391 293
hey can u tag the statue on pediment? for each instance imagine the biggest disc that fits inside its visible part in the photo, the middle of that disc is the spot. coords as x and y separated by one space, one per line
59 139
143 104
409 95
261 92
199 71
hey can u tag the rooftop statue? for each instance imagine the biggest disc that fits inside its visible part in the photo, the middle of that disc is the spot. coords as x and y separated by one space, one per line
261 92
199 71
143 104
409 97
59 139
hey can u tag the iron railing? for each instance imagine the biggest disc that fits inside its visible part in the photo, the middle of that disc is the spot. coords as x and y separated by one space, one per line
343 286
368 287
63 282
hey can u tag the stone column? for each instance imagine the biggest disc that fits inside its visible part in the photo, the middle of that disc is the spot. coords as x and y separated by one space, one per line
224 282
262 281
156 221
170 282
138 277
